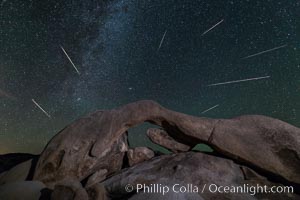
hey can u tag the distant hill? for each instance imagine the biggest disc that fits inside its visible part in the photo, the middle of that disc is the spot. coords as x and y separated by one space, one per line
7 161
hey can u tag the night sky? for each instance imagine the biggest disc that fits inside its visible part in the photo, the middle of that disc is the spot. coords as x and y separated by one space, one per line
114 44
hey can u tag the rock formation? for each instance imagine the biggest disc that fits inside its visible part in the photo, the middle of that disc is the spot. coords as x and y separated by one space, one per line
138 155
190 171
86 160
162 138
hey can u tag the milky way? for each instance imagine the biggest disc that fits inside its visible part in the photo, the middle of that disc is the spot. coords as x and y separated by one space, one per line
114 45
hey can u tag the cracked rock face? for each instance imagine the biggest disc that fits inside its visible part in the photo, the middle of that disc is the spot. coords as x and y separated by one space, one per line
138 155
267 143
97 192
162 138
69 189
194 172
94 142
69 156
85 160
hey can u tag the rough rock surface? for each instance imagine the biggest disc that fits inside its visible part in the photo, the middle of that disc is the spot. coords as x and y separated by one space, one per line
71 154
139 154
21 190
97 177
85 160
81 148
97 192
191 170
69 189
162 138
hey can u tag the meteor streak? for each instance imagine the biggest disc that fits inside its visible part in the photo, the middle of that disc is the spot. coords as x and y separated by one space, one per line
214 26
210 109
266 51
70 60
40 108
162 40
237 81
